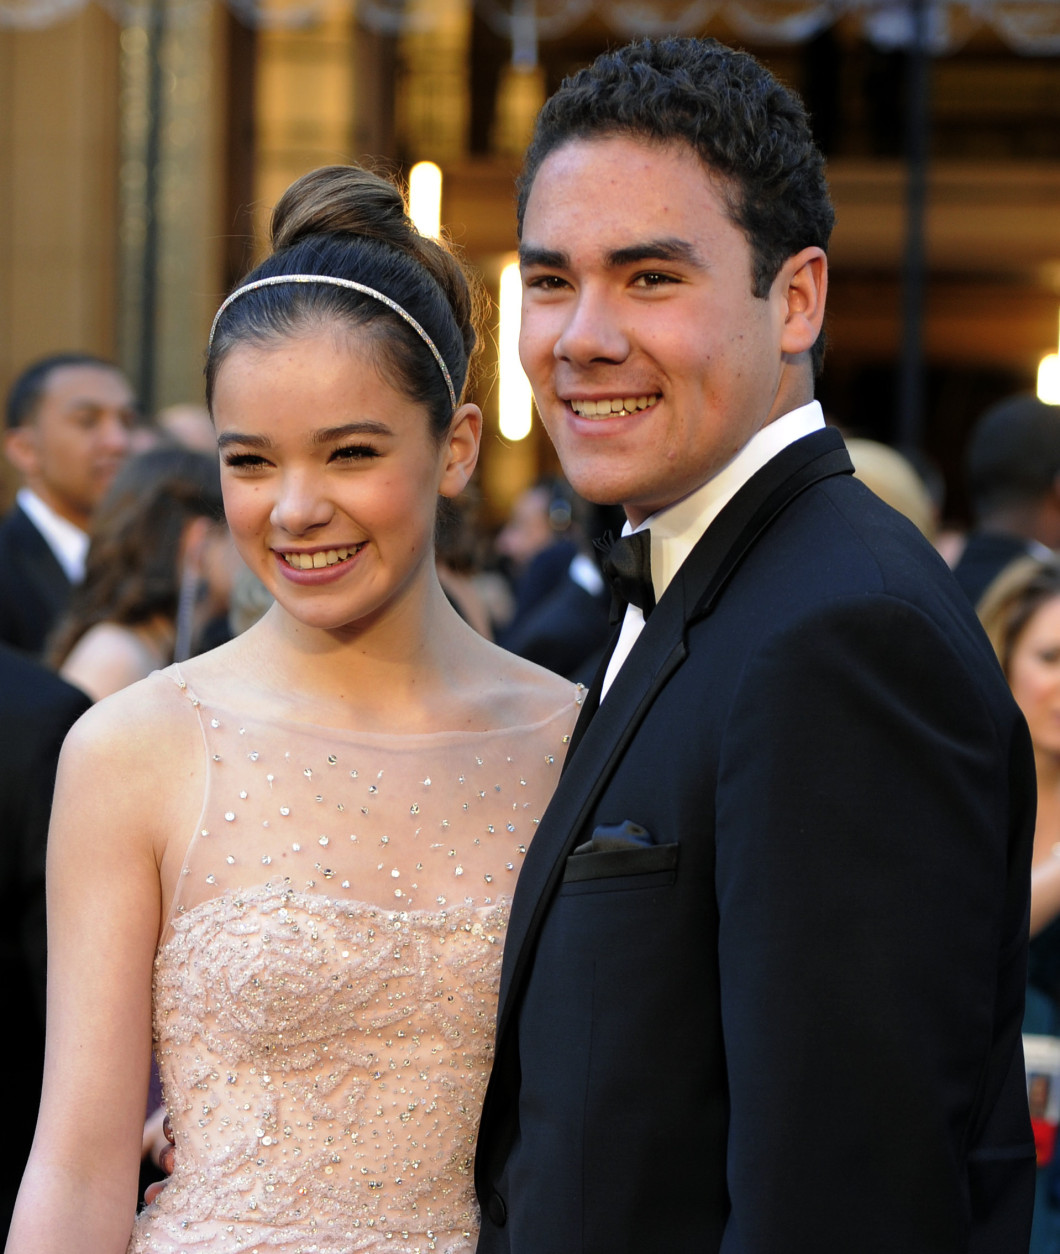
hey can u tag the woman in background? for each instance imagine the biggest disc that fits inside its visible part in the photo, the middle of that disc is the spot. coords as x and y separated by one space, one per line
1021 613
159 562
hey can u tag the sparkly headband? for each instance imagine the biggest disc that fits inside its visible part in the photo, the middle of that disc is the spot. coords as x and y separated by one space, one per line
334 281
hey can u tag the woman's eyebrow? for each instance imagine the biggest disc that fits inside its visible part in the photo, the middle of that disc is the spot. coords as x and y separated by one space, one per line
367 426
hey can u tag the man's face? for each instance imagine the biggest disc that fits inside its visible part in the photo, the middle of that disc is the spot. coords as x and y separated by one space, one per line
651 361
527 530
71 449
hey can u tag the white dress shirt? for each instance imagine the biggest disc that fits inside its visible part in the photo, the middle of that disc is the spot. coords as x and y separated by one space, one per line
67 542
676 530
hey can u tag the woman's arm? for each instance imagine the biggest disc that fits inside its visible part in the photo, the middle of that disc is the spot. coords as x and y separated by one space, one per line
104 904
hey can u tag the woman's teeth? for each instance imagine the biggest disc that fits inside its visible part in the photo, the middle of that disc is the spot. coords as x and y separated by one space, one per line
317 561
618 405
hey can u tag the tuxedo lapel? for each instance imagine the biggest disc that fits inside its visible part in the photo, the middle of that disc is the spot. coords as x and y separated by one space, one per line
605 729
38 565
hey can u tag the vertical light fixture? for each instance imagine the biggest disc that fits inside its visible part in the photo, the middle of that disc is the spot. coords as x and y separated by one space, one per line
1049 379
514 390
425 198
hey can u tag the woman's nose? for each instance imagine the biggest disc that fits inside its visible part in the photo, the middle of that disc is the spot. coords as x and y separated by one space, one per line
300 505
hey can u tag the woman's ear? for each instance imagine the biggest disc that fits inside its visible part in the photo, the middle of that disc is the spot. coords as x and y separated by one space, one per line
461 450
803 286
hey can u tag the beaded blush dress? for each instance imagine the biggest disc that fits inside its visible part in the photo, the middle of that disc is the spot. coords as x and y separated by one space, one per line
326 984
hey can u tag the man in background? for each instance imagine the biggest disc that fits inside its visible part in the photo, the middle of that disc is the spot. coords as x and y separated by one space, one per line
69 423
1013 465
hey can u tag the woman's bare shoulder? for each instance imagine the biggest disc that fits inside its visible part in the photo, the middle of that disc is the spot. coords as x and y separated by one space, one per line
517 692
144 723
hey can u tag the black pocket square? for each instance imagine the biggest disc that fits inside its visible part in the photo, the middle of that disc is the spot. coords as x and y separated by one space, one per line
617 852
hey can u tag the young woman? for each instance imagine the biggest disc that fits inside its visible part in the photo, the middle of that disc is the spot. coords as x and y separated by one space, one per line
308 837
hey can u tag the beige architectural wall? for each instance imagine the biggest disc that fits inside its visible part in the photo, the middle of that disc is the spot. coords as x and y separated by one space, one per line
58 189
58 194
304 105
190 201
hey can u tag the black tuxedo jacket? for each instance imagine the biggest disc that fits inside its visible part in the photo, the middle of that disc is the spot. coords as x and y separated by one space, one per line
36 710
764 974
34 589
985 556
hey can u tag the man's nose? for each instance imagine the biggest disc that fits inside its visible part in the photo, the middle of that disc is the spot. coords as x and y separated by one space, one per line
116 432
592 331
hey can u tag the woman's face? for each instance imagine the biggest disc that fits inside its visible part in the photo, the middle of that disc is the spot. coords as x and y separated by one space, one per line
331 476
1034 674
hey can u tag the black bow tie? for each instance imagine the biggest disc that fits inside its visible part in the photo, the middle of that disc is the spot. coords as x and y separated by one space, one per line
627 568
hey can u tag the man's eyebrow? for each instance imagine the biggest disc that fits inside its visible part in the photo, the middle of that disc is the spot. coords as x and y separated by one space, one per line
550 258
668 249
655 250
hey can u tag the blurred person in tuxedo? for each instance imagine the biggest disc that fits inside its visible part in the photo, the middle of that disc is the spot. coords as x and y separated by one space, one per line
70 419
1013 466
36 710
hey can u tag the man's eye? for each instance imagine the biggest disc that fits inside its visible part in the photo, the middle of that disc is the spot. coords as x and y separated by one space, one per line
653 278
546 283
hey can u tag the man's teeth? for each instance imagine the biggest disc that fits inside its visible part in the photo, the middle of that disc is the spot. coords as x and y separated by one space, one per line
618 405
317 561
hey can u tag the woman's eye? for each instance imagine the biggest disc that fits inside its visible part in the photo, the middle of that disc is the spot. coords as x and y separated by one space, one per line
244 461
354 453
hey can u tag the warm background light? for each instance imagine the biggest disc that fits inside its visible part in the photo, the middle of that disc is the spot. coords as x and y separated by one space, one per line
1049 379
425 198
515 396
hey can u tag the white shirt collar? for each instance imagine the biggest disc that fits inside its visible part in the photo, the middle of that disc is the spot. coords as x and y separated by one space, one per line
676 529
67 542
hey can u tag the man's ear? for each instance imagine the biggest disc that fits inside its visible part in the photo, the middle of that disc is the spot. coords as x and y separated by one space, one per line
20 449
803 286
461 450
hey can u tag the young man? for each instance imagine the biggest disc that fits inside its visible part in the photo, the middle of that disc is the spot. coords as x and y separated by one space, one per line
68 429
763 979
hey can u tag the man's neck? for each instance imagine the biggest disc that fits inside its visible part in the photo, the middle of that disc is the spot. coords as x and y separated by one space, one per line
59 506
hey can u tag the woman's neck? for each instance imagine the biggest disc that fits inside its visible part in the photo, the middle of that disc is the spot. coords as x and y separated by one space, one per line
397 672
1047 825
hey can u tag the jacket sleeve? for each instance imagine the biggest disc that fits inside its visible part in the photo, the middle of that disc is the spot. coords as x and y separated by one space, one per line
875 814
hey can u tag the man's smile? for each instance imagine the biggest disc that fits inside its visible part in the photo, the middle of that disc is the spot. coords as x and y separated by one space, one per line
606 407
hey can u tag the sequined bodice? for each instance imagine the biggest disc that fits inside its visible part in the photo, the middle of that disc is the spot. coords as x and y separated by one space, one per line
326 985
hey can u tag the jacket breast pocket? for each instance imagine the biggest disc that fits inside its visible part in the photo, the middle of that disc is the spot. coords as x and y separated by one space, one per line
612 870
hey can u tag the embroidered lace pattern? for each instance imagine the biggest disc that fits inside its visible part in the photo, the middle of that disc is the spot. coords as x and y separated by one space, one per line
326 985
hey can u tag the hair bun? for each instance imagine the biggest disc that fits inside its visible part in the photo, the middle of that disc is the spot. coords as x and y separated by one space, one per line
342 200
349 200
